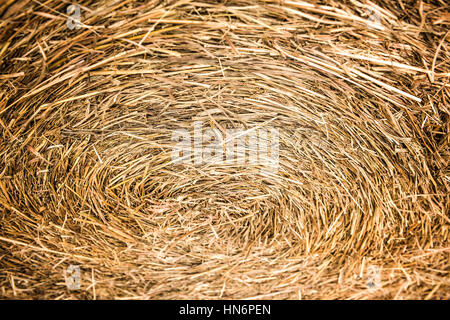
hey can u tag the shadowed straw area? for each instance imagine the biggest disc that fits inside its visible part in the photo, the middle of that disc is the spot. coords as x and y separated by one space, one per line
358 91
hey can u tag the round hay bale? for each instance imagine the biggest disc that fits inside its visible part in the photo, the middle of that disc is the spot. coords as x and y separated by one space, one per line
234 149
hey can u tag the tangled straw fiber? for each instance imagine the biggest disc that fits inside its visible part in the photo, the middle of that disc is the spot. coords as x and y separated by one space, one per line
358 91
